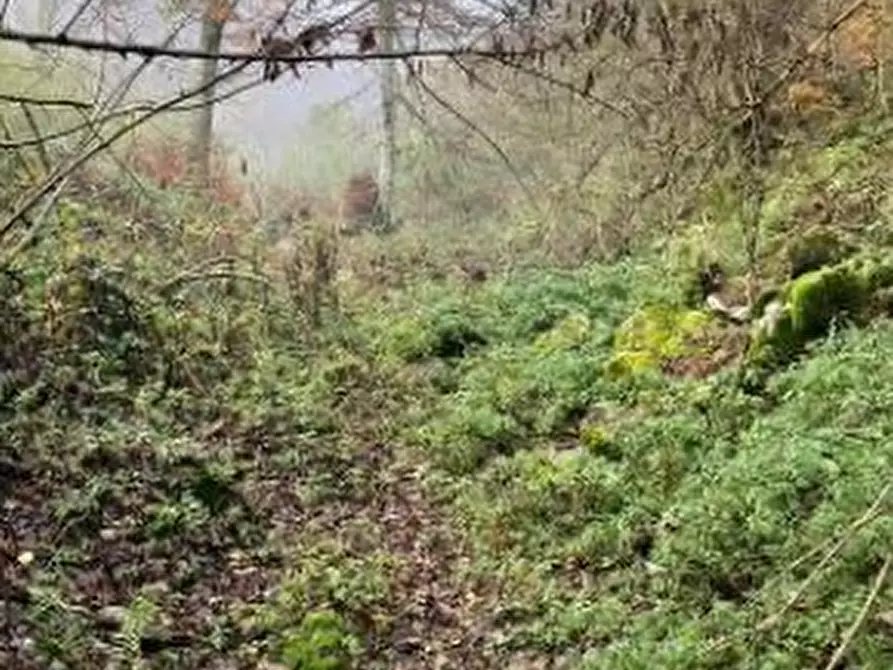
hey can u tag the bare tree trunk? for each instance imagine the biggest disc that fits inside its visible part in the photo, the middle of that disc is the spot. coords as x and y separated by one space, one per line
203 133
46 15
387 19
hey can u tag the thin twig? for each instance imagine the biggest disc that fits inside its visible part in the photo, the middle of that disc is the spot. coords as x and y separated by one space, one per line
74 17
863 614
568 86
44 102
851 530
56 181
64 171
484 136
38 140
180 281
19 154
87 154
142 107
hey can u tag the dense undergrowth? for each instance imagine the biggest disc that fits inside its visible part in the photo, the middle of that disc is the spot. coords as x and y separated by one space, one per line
550 468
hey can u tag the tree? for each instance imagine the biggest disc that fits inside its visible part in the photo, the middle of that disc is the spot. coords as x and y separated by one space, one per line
214 16
387 18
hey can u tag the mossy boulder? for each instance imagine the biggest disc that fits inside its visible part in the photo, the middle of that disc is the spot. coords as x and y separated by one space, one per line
821 296
805 310
655 335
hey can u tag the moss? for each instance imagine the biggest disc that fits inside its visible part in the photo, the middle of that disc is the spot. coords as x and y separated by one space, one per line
657 334
598 441
570 332
804 311
628 364
818 297
877 274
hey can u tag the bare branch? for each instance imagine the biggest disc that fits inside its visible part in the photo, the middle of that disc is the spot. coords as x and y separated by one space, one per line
127 111
38 138
151 51
63 171
850 635
85 4
44 102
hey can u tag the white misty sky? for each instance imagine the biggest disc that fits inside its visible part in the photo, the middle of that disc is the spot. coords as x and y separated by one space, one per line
263 123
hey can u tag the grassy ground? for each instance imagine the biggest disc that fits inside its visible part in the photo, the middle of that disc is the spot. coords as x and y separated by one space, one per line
444 474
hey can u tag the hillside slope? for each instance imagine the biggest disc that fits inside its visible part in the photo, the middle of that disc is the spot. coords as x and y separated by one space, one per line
547 469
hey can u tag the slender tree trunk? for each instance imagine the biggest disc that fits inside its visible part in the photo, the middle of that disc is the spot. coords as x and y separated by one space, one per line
46 15
203 132
387 19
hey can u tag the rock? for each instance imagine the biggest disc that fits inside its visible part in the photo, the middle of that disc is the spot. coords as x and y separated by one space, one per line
738 314
766 327
112 616
818 297
803 311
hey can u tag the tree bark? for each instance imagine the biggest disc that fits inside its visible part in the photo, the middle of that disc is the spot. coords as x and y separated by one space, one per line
387 19
203 133
46 15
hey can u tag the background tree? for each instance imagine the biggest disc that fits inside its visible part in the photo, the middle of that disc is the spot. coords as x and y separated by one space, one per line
387 16
215 15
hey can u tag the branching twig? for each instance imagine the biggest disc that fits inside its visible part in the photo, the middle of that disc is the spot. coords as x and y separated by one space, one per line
44 102
863 614
568 86
87 154
179 281
84 125
74 17
865 519
485 137
39 139
151 51
23 162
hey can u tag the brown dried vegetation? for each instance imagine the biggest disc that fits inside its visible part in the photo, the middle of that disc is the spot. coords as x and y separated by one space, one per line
358 205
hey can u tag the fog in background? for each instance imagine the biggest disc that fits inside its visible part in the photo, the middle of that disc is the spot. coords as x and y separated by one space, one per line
280 127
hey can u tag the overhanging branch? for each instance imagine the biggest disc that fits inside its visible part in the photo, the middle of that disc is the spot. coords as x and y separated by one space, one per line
152 51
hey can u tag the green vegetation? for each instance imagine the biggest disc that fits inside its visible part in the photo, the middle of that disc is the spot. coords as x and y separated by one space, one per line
442 458
210 463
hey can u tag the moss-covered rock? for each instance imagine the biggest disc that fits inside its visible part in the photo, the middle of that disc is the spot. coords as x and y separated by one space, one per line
655 335
818 297
805 310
